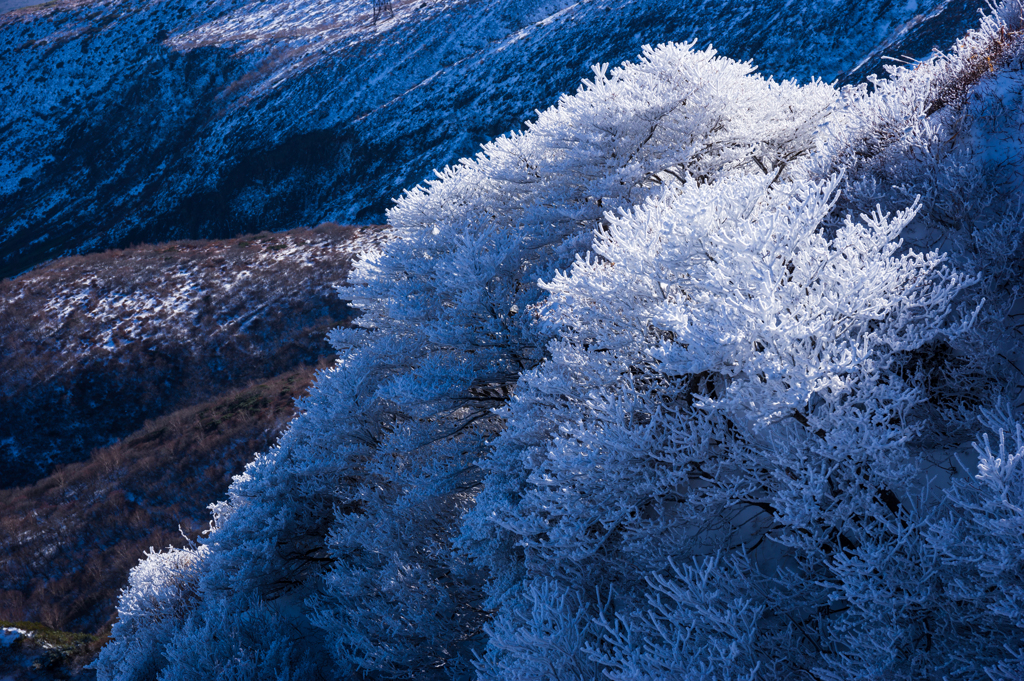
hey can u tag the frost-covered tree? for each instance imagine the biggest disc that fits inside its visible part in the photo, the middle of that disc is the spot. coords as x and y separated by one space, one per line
736 461
639 393
344 530
725 379
947 132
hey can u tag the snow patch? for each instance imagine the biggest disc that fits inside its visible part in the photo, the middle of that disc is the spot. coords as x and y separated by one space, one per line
8 635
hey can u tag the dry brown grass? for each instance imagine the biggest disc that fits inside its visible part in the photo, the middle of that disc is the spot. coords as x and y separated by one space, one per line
68 541
976 60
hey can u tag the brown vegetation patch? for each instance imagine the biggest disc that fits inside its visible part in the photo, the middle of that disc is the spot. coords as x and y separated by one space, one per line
68 541
991 54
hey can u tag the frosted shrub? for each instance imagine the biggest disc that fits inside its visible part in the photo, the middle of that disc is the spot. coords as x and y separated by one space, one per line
161 593
451 297
256 647
545 639
947 131
700 624
980 541
351 518
735 374
706 392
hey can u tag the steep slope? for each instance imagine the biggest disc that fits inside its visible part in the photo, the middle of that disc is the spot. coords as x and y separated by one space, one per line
68 540
126 121
94 345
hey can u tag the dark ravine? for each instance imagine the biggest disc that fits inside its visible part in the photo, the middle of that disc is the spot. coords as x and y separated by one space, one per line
67 541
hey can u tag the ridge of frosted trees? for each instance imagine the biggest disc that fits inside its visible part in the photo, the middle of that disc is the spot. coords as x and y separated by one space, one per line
728 400
947 133
722 454
342 533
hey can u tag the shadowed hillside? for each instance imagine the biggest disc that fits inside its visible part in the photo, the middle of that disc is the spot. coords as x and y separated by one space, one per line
93 346
68 540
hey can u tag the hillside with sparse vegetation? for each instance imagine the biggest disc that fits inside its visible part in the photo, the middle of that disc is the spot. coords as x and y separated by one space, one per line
92 346
129 121
135 385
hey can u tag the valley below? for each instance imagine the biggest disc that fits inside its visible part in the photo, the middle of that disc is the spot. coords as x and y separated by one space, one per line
135 384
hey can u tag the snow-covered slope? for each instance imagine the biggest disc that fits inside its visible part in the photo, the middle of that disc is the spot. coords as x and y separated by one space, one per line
139 120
